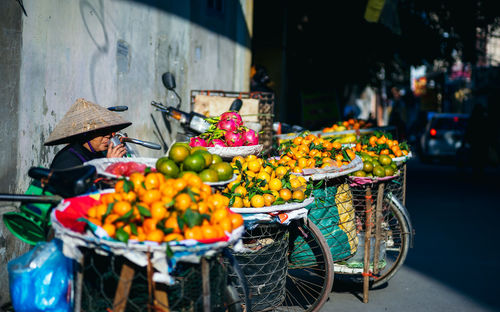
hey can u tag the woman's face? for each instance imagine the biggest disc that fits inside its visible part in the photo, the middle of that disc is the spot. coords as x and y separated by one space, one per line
100 143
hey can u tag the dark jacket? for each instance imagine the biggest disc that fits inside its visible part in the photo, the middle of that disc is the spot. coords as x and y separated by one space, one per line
73 155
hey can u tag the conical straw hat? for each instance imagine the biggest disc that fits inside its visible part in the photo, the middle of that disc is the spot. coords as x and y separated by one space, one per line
83 120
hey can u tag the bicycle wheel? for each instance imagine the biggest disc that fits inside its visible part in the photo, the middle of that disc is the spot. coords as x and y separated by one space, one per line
396 235
310 269
236 283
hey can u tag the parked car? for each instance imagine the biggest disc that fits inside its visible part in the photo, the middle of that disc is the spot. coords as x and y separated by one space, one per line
443 135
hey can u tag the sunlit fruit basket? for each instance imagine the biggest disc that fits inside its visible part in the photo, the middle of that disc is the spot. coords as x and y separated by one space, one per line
151 209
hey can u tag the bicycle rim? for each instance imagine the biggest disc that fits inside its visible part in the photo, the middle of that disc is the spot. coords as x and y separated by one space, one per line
310 270
397 240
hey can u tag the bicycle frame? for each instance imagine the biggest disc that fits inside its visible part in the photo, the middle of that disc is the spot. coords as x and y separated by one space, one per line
392 200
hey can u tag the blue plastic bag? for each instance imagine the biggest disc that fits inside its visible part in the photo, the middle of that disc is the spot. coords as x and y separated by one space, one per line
41 279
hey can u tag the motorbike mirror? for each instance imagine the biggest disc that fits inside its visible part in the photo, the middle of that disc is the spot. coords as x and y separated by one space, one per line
168 80
118 108
236 105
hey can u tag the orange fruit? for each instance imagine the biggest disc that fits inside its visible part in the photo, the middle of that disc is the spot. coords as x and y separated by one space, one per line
136 178
92 212
281 171
238 202
268 199
149 225
173 237
107 198
150 196
110 229
171 223
218 215
209 232
155 236
152 181
111 218
158 210
193 233
285 194
236 220
254 166
257 201
182 201
119 186
101 210
275 184
121 208
130 196
226 225
240 189
298 195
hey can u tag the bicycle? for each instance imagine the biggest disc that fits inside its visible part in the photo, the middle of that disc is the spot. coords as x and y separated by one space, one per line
55 186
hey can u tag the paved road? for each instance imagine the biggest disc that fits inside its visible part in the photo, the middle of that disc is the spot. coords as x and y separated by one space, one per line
452 266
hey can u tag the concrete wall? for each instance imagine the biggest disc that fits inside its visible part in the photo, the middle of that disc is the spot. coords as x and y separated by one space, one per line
113 53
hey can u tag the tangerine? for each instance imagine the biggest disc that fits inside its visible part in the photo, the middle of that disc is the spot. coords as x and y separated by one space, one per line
155 236
257 201
182 201
285 194
121 207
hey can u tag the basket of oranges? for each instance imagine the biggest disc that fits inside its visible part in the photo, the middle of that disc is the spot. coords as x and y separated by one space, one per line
308 154
263 187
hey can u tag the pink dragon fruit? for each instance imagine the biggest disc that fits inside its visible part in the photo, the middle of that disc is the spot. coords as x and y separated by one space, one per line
228 125
197 141
251 137
234 138
234 116
217 142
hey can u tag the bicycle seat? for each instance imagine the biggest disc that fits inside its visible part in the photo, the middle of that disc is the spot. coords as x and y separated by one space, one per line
65 182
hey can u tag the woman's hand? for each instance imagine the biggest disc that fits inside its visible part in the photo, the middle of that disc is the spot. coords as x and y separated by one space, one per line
116 151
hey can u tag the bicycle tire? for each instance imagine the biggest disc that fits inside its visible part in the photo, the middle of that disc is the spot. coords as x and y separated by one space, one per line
310 269
395 224
236 285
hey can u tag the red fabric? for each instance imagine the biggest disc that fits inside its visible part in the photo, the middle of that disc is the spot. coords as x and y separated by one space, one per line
77 208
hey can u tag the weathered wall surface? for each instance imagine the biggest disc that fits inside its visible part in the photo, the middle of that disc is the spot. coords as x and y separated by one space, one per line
112 53
10 63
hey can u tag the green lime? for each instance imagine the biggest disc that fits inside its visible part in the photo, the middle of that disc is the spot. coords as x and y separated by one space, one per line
194 162
375 163
360 173
388 171
206 155
385 160
379 171
367 166
224 170
160 161
178 153
394 166
216 159
185 144
198 148
209 175
168 168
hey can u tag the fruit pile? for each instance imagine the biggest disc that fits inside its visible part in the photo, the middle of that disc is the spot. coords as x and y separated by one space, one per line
260 183
308 151
351 124
226 130
376 166
152 208
197 160
381 143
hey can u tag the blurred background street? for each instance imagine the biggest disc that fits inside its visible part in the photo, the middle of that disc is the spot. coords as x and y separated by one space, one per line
452 266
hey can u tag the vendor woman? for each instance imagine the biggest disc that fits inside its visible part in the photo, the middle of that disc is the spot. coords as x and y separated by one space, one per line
86 129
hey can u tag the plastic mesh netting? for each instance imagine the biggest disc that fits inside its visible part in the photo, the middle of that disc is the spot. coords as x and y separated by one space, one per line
333 212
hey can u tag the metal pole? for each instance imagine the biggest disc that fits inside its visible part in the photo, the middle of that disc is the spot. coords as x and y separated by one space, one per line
378 226
205 276
368 230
